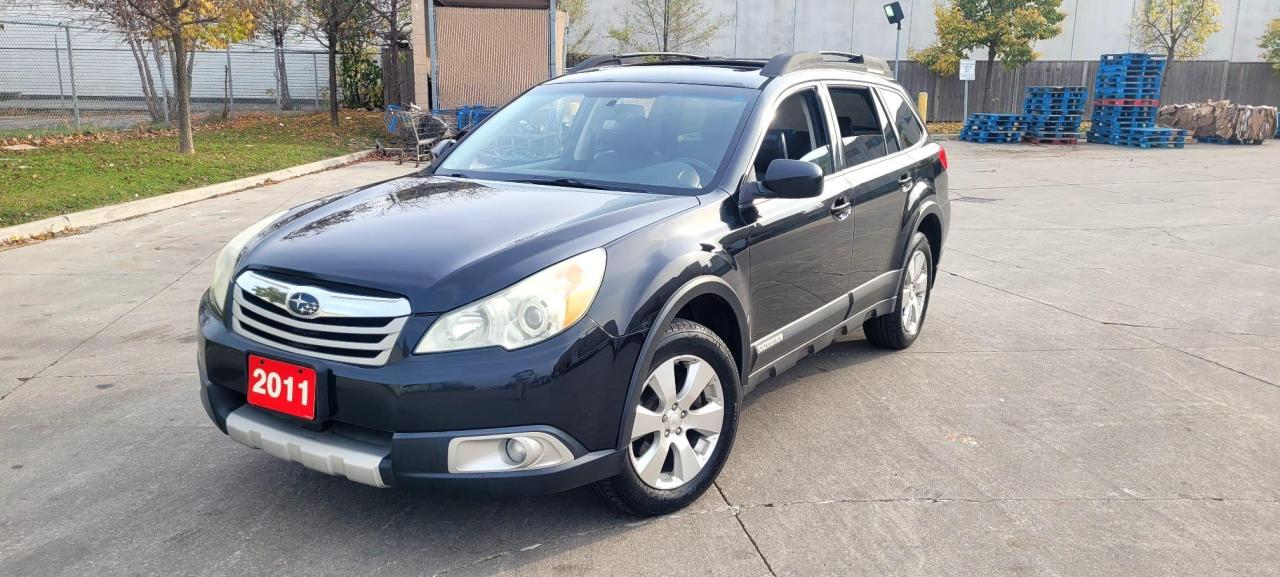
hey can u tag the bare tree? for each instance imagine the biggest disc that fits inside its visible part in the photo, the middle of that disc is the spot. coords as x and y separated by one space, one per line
1175 28
275 19
392 25
666 26
117 15
332 23
186 25
579 26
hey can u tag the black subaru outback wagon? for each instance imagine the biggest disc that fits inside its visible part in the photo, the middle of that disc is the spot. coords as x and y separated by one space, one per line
582 289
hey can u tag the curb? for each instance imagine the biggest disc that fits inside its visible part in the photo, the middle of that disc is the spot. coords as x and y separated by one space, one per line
103 215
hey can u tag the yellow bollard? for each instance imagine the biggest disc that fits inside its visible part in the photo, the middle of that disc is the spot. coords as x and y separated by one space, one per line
922 104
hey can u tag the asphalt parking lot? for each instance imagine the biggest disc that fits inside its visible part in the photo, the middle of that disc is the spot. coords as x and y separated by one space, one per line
1096 392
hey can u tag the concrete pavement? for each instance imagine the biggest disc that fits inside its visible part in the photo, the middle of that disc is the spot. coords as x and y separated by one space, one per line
1097 391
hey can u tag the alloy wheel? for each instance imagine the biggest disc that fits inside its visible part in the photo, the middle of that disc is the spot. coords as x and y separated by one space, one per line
915 289
678 422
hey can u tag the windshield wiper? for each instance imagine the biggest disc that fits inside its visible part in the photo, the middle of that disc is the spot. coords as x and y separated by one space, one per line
571 183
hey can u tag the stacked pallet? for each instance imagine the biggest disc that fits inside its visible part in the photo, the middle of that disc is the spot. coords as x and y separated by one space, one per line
1126 100
992 128
1052 114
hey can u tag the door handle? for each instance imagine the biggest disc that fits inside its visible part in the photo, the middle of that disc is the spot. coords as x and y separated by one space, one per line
841 208
905 181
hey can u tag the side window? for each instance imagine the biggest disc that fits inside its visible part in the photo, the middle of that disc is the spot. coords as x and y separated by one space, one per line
798 132
862 130
904 119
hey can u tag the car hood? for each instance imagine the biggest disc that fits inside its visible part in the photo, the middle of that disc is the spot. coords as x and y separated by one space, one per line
445 242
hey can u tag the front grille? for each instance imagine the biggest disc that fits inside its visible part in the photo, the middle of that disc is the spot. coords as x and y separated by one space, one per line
356 329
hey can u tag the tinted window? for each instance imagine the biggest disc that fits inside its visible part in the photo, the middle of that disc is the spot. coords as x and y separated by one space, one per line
904 119
798 132
607 133
861 128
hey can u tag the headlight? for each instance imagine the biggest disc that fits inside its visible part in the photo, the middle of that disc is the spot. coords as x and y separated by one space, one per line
230 256
530 311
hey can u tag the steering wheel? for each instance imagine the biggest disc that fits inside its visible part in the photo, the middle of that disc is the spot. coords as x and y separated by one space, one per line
705 171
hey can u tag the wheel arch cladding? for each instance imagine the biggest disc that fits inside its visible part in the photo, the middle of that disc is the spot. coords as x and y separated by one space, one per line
931 226
714 312
708 292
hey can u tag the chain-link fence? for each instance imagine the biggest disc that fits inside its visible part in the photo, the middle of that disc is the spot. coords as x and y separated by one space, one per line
57 78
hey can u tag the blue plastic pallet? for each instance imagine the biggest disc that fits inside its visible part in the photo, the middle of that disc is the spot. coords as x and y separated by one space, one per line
1054 117
1148 133
1046 134
1058 104
1131 65
1109 115
1132 57
1106 126
998 139
1055 89
994 127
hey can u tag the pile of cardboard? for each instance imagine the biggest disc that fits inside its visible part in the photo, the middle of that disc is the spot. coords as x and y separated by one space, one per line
1221 121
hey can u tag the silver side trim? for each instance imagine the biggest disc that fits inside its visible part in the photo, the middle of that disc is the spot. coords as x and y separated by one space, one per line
324 452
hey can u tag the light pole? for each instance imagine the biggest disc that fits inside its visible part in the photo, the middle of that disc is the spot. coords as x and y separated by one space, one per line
893 11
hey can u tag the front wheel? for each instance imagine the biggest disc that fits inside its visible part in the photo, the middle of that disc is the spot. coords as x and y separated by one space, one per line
899 329
683 424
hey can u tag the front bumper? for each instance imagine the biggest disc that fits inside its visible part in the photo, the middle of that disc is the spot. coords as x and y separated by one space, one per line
391 426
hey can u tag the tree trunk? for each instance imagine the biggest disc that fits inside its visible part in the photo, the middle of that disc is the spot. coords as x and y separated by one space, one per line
393 93
282 86
181 86
167 96
154 107
984 103
333 75
666 25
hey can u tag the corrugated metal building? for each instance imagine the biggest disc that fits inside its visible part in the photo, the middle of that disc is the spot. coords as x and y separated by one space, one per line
489 50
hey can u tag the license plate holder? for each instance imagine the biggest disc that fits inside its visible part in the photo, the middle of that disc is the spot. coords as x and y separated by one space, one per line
281 387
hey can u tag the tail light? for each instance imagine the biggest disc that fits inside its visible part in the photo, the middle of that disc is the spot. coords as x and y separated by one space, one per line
942 157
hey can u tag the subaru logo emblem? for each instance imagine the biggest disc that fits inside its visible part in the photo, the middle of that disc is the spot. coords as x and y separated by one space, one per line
302 304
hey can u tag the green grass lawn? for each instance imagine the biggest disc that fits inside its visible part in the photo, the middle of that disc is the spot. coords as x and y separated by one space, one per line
101 170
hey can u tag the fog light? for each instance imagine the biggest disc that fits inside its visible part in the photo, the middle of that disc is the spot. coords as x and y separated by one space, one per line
522 450
525 450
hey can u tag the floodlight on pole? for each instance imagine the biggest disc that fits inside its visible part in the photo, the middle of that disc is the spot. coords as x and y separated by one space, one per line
893 11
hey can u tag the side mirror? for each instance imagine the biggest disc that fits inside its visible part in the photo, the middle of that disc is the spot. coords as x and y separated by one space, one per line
787 178
442 146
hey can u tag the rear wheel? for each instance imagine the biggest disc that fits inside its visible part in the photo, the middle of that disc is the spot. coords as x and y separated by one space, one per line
683 424
899 329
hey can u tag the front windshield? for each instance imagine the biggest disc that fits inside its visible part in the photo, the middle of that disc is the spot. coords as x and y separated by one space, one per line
609 134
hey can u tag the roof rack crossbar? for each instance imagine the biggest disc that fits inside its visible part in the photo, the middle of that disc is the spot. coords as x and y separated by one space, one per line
620 59
796 61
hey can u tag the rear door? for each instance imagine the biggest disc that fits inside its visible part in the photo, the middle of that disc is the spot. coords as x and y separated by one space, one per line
878 177
910 158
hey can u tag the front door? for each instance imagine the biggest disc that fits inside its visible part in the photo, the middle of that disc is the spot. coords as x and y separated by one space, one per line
800 248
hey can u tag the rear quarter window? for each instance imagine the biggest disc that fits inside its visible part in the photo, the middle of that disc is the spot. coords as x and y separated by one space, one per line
903 117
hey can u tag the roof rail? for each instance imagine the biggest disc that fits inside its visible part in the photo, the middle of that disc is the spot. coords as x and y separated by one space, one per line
620 59
796 61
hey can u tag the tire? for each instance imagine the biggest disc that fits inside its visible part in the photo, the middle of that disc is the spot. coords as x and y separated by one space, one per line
695 348
896 330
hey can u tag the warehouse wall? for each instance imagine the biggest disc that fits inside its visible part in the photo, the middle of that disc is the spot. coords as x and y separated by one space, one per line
1093 27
